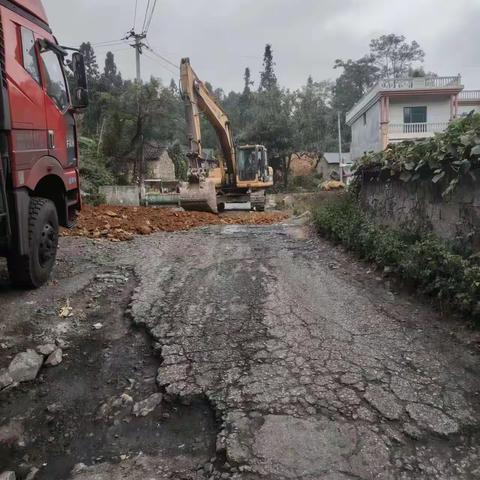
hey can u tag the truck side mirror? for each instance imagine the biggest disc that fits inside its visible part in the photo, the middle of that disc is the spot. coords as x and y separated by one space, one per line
80 97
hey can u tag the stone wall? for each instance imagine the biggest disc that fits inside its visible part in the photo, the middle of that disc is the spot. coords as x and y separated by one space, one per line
421 205
299 202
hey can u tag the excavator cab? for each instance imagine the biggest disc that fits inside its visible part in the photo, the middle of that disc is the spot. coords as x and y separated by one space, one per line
252 163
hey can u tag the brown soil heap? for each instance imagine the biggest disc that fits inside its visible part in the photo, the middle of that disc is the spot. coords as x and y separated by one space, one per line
122 223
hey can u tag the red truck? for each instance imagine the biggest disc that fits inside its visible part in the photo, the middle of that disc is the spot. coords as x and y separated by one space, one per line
39 180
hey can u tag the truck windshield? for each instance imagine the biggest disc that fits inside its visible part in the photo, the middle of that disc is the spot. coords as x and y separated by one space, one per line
56 86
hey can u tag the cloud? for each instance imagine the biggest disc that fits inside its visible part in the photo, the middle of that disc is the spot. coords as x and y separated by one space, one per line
222 37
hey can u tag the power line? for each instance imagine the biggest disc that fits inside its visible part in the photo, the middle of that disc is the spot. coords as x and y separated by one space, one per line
146 14
118 49
153 59
151 17
148 46
135 14
106 42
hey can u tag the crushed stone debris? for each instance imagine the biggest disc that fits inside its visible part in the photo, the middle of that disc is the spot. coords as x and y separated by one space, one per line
119 224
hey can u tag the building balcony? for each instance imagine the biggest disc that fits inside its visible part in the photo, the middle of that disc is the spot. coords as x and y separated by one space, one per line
469 96
413 131
405 86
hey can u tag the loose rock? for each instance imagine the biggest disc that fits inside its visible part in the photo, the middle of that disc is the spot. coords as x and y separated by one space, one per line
385 402
5 379
32 474
147 406
432 419
55 358
7 476
46 350
25 366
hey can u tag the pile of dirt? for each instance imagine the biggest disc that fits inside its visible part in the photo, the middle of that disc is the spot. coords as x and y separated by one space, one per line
303 164
122 223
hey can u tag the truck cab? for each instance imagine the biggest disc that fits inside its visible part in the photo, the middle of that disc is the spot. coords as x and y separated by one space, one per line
39 179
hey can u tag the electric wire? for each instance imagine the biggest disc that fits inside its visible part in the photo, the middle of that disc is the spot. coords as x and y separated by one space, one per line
146 15
161 57
153 59
109 42
147 28
135 15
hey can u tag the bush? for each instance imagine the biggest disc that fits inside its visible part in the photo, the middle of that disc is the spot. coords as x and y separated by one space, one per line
423 261
93 170
445 160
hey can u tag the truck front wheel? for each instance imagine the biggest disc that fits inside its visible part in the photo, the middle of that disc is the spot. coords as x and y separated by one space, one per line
34 269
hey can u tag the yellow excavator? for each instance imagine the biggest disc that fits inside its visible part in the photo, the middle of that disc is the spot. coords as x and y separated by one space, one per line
242 174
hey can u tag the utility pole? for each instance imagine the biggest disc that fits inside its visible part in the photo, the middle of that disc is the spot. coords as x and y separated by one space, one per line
340 153
138 46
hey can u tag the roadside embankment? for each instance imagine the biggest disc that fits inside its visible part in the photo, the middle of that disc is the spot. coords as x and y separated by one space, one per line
424 262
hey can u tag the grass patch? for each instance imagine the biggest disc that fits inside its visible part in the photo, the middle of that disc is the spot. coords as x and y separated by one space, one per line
420 260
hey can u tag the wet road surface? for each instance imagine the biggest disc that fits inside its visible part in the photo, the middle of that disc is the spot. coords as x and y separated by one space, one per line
278 356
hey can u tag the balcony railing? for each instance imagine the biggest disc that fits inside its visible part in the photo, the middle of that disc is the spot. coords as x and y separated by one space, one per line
412 129
467 95
420 82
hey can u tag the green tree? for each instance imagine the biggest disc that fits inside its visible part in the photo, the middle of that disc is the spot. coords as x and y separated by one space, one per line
356 79
248 82
394 56
111 78
268 79
313 117
91 64
244 102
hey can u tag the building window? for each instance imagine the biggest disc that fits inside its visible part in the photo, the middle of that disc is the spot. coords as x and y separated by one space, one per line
415 115
30 62
365 118
56 86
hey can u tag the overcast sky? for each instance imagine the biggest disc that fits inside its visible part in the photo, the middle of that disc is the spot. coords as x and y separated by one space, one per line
222 37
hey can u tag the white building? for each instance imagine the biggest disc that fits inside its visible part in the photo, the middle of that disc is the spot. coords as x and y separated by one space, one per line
407 109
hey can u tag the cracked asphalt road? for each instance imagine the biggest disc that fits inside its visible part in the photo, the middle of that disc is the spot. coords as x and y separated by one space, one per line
317 374
315 368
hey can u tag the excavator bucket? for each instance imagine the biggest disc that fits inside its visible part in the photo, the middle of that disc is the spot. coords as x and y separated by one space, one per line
201 197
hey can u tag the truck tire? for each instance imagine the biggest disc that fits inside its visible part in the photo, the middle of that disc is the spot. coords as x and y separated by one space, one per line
34 269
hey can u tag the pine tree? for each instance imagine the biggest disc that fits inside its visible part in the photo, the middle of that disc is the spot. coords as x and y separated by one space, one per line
248 82
268 79
112 78
90 58
173 87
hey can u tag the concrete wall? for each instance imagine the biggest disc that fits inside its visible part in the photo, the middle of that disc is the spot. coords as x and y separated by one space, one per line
397 204
366 137
116 195
438 108
466 109
299 202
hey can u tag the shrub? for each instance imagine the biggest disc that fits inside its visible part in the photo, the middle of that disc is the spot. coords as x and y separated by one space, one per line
445 159
423 261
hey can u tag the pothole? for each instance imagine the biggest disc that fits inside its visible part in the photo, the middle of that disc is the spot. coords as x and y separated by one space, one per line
58 421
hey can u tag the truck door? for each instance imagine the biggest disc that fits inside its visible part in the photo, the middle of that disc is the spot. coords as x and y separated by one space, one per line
60 121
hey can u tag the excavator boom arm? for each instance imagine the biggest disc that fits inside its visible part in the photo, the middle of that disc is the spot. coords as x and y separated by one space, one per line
198 99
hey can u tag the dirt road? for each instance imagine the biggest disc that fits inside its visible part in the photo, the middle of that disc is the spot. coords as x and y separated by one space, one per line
277 356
